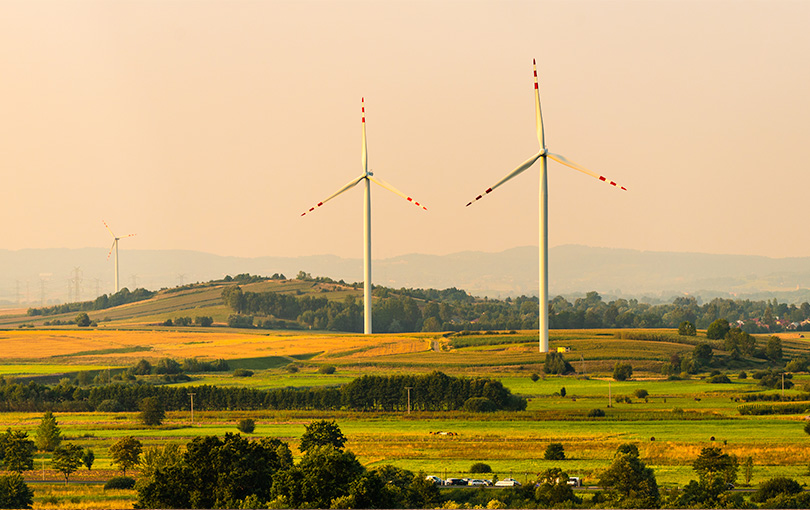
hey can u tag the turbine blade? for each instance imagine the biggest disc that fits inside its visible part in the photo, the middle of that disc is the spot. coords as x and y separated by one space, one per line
364 148
571 164
537 112
108 228
111 249
523 166
128 235
348 186
394 190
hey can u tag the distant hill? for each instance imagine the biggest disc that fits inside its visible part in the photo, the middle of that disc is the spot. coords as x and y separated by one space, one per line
573 270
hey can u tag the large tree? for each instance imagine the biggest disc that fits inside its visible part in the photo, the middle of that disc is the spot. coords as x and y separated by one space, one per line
16 451
14 492
126 453
322 433
67 459
49 436
632 484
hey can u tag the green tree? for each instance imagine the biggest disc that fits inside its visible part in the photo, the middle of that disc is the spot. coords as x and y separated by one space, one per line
16 451
67 459
327 473
14 492
322 433
717 330
774 487
774 349
628 449
88 457
49 436
552 490
748 469
152 412
632 484
555 364
126 453
713 463
82 320
686 328
554 451
702 354
622 371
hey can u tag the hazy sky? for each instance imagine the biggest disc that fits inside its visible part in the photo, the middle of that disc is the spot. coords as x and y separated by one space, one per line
211 125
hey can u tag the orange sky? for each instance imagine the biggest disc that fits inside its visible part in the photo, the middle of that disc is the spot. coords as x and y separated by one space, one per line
211 125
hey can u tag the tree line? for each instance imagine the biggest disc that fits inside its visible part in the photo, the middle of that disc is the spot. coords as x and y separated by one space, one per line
434 392
411 310
102 302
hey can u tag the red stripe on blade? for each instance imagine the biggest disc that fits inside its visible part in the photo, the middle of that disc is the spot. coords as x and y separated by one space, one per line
602 178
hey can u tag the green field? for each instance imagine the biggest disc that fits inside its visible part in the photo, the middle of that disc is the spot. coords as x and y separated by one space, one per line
670 425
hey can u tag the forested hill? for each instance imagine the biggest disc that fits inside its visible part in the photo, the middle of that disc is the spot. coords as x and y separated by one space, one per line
407 310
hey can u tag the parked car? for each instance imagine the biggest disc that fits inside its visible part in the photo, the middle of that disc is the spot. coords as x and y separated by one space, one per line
575 481
507 482
476 482
435 479
455 481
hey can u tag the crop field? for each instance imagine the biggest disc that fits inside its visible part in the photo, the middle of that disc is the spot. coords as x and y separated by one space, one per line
670 425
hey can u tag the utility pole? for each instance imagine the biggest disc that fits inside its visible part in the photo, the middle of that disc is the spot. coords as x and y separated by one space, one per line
192 407
409 388
610 398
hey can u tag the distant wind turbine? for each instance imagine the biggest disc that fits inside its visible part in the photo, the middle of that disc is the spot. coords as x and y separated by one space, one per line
115 247
367 177
543 156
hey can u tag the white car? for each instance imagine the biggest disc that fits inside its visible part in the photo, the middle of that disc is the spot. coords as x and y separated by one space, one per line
435 479
507 482
477 482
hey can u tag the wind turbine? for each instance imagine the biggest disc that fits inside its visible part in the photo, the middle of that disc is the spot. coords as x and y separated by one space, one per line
543 156
366 177
115 247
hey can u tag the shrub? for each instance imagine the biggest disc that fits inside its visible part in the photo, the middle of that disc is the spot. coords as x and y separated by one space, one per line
596 413
480 405
562 391
120 482
247 425
776 487
242 372
534 377
291 368
742 375
554 451
326 369
641 393
480 467
719 379
717 330
686 328
622 371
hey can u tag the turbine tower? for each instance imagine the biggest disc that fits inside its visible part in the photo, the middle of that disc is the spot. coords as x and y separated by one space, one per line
543 156
115 247
367 177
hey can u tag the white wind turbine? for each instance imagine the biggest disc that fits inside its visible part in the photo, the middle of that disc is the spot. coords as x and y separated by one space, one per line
367 177
115 247
543 156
